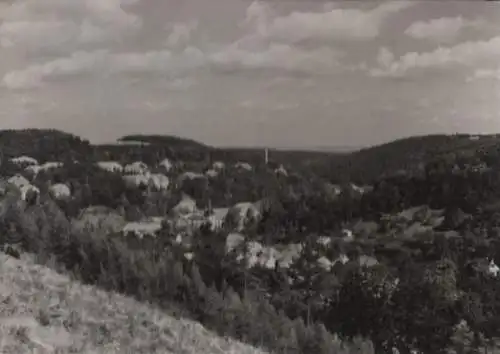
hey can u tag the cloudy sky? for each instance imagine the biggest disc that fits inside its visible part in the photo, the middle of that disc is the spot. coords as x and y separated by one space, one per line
233 72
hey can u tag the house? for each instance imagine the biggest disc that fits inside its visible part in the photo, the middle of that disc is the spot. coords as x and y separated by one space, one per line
493 269
29 193
347 235
212 173
60 191
281 171
186 205
324 240
134 181
218 165
189 175
110 166
243 166
147 227
35 169
18 181
166 164
367 261
159 181
217 217
24 160
240 213
136 168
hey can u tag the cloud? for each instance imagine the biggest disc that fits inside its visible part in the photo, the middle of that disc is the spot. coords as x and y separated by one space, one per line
482 74
441 30
35 24
172 64
33 76
162 61
467 53
181 33
277 56
333 23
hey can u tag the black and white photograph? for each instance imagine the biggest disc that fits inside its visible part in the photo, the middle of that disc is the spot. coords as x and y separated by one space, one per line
249 177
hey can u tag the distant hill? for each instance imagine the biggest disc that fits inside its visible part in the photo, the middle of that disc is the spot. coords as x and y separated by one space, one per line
170 140
362 166
39 143
370 163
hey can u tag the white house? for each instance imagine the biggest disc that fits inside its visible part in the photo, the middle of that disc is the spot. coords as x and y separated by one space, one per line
24 160
60 191
110 166
243 166
217 218
35 169
493 269
324 240
212 173
281 171
186 205
166 164
134 181
240 212
27 190
136 168
18 181
189 175
142 228
218 165
159 181
347 235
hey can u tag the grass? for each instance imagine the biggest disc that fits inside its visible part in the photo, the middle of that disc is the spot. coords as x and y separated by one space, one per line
42 311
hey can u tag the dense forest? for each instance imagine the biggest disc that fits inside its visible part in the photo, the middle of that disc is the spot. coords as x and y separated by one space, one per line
429 290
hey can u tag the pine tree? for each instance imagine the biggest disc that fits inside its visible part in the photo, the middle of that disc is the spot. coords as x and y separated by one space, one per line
198 284
214 302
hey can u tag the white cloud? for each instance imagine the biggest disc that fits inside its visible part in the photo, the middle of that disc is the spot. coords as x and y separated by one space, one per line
385 57
481 74
443 29
277 56
162 61
466 53
33 76
181 33
35 24
172 64
333 23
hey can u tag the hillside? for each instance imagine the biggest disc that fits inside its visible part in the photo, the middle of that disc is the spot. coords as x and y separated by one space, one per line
367 164
46 312
165 140
280 258
361 166
39 143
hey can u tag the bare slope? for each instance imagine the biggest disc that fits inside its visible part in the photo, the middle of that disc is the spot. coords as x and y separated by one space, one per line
45 312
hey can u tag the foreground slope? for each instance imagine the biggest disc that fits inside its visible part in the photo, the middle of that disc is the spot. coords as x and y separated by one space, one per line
44 311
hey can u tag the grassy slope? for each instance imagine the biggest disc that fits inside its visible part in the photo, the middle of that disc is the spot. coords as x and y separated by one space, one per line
46 312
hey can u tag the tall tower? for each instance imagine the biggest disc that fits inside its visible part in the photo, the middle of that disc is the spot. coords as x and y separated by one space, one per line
266 155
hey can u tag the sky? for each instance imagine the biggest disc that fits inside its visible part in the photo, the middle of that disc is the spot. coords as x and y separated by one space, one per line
301 74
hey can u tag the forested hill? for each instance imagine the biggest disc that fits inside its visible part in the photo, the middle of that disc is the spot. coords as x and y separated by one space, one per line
406 155
363 166
278 257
